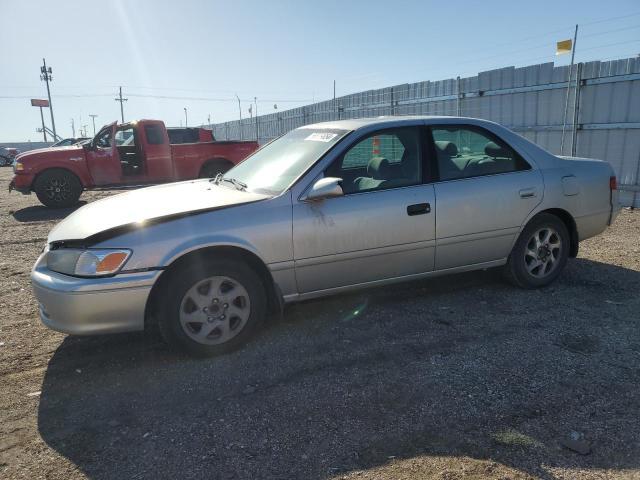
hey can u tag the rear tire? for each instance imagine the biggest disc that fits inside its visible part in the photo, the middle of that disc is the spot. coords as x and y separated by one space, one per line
211 307
213 168
58 188
540 252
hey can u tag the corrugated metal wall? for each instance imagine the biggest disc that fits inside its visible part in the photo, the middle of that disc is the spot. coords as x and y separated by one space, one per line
604 122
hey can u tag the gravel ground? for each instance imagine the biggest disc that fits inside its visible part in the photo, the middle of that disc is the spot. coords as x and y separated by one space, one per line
458 377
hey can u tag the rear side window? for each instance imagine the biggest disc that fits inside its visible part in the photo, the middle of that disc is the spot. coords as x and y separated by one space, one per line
154 134
464 152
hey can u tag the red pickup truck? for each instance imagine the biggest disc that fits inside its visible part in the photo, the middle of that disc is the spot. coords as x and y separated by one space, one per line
129 154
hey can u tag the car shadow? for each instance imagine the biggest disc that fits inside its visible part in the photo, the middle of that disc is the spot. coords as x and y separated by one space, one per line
39 213
455 367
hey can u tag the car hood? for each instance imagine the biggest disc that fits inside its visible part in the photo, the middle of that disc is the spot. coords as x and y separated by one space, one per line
62 152
149 205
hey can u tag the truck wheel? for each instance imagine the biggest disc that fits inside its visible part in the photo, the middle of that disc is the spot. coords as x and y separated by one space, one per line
540 253
58 188
211 307
213 168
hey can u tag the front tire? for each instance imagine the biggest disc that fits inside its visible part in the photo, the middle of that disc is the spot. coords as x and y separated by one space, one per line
58 188
211 307
540 253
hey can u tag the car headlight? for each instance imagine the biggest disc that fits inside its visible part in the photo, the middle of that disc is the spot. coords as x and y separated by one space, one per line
17 166
87 263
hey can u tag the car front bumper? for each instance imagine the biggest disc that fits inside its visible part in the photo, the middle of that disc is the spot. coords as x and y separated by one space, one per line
86 306
21 183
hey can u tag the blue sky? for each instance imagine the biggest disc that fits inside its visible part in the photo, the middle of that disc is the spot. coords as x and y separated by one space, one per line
284 52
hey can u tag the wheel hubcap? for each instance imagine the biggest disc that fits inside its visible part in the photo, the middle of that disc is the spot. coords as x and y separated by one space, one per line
543 252
215 310
58 190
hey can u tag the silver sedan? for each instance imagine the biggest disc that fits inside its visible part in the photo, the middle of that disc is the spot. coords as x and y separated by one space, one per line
325 208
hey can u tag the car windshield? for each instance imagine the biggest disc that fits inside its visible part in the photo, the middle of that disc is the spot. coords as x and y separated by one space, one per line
278 164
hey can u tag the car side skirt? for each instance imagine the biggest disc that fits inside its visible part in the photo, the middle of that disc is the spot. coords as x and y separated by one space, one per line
297 297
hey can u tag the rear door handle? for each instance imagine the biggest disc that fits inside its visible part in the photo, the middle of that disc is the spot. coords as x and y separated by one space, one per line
418 209
528 192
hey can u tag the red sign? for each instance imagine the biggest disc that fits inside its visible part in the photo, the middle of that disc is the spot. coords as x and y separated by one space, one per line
35 102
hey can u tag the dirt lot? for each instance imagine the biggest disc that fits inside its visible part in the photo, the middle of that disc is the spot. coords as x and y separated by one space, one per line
463 377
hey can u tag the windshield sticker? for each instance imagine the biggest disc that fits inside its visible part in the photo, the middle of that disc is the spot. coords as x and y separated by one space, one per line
321 137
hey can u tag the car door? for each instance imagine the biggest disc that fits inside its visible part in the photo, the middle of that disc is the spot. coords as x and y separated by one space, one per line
382 227
103 159
156 150
485 191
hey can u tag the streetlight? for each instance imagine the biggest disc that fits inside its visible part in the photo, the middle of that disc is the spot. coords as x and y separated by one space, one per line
255 101
240 111
93 119
186 123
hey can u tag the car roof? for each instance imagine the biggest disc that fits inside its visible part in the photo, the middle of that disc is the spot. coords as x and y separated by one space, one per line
358 123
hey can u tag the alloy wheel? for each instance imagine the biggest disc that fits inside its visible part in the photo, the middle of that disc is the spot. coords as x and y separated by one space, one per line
214 310
58 190
542 253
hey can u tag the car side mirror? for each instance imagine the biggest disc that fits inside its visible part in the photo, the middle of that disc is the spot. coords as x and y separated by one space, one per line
328 187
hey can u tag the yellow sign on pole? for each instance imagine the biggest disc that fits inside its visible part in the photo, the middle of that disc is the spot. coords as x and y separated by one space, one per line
563 46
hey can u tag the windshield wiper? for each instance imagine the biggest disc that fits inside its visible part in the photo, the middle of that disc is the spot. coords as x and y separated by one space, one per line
236 183
216 179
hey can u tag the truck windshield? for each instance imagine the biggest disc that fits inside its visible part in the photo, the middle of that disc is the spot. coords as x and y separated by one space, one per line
278 164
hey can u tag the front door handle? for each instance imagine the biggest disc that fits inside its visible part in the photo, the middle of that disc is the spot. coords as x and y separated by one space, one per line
418 209
527 192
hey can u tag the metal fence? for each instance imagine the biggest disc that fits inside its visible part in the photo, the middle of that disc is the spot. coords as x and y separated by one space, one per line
603 116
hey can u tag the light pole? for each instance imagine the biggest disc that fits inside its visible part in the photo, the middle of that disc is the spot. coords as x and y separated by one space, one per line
186 123
45 74
240 111
255 101
93 119
36 102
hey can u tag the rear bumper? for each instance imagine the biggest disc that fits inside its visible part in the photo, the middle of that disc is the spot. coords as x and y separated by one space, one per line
81 306
616 206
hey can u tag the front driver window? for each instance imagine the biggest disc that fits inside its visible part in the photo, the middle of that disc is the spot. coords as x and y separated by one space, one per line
104 139
383 160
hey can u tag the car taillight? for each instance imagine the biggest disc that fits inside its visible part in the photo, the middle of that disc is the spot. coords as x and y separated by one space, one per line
613 183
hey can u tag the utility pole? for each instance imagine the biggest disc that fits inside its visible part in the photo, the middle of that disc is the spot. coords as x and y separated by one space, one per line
240 111
73 128
566 103
255 100
45 74
209 119
186 122
93 119
121 100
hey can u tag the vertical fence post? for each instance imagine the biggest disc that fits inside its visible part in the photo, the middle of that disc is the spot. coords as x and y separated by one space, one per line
393 106
458 104
576 110
566 103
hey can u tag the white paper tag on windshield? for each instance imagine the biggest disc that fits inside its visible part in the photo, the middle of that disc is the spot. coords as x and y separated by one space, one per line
321 137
